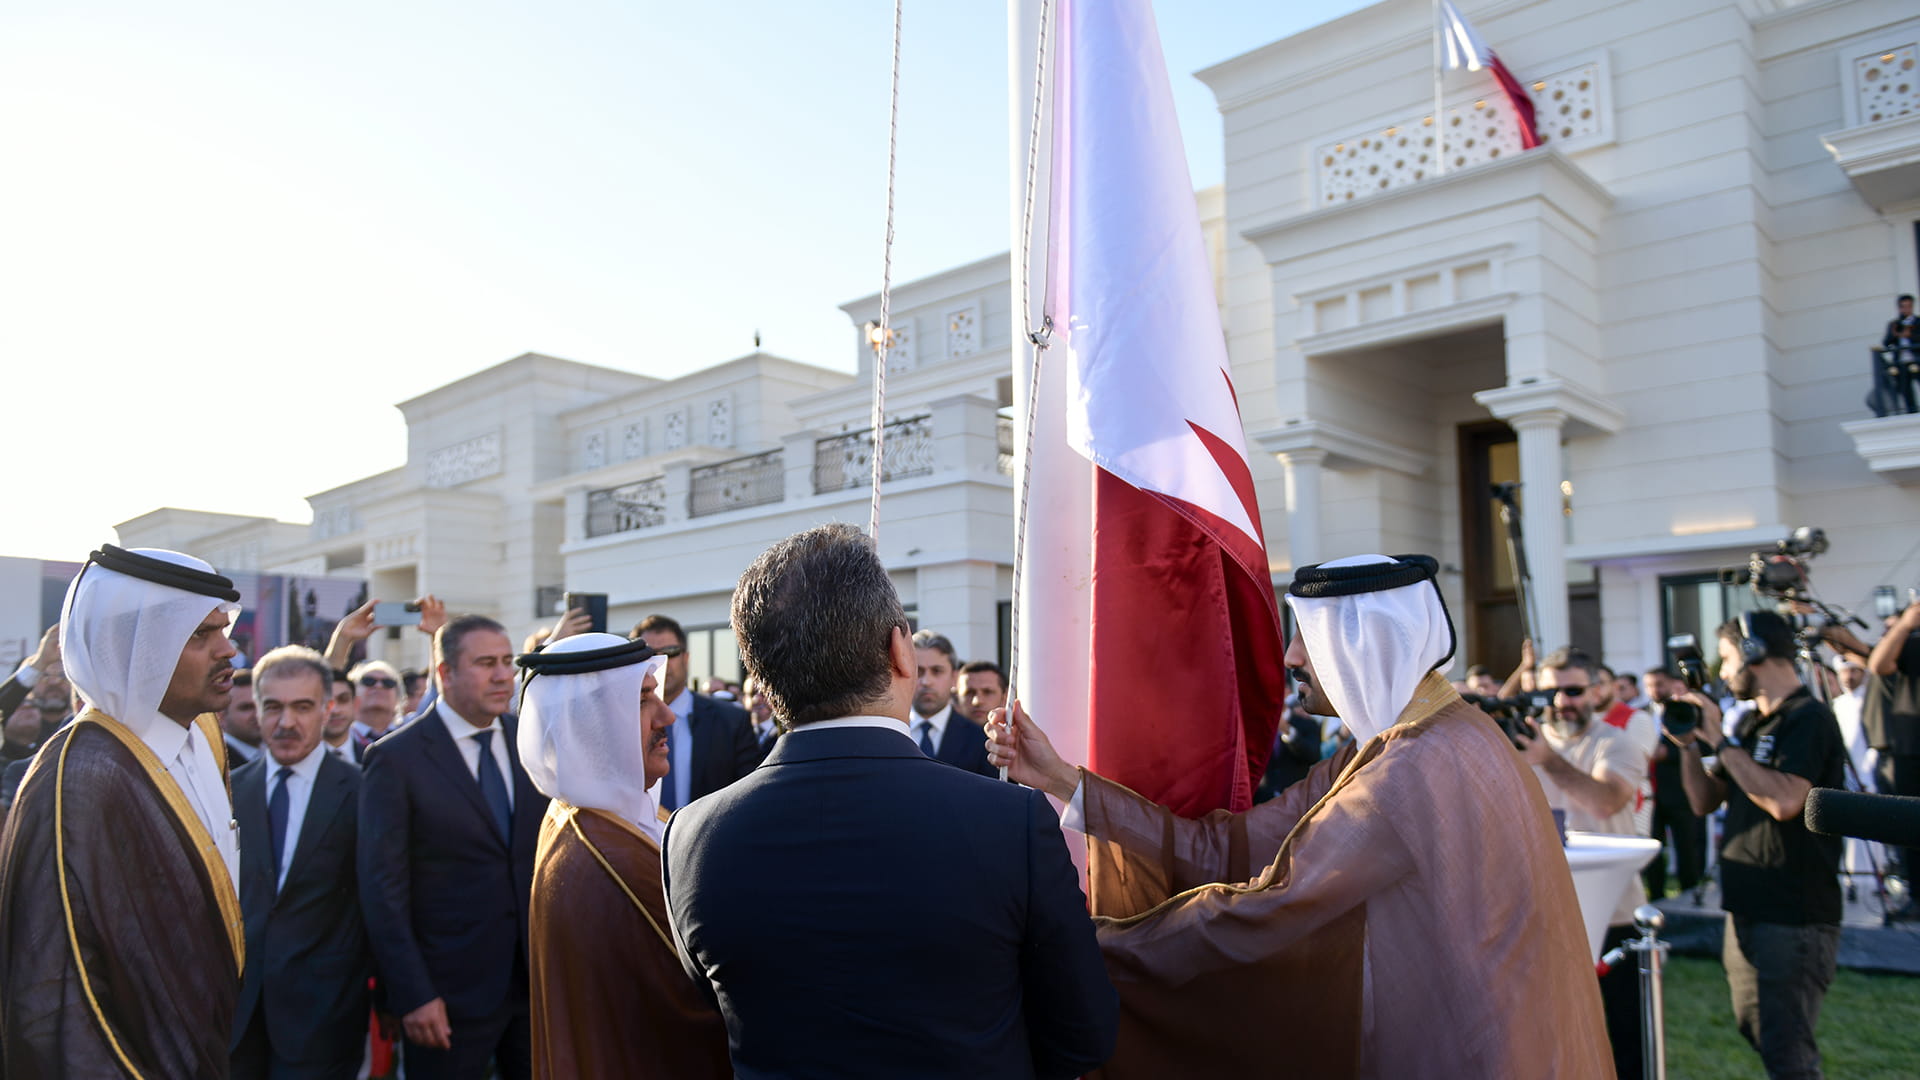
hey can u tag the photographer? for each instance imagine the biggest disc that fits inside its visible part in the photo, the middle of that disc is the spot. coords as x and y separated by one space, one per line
1780 884
1675 825
1894 363
1593 770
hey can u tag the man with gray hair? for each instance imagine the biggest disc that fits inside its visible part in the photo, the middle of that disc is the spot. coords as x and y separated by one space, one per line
858 909
1407 907
376 698
121 941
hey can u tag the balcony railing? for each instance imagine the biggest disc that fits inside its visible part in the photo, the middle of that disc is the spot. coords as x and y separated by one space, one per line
755 480
639 505
845 461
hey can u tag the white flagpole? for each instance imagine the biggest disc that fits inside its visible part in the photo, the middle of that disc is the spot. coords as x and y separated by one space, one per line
1439 117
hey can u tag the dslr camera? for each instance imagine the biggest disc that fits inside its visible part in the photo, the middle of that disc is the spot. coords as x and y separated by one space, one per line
1514 715
1680 717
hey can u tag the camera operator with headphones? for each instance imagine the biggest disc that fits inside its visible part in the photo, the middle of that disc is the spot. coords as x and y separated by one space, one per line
1780 883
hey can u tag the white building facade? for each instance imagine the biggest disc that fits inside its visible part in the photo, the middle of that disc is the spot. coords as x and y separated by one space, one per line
1656 323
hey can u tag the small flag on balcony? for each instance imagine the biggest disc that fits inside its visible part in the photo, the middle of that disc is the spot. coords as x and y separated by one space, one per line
1465 48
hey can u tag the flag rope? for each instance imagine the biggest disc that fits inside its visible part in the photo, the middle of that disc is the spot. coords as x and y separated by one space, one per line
1040 338
883 337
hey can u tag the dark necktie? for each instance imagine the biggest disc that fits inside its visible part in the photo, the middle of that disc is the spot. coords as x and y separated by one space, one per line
493 789
926 738
277 819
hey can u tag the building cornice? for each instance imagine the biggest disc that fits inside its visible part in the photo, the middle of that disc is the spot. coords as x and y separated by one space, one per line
1343 448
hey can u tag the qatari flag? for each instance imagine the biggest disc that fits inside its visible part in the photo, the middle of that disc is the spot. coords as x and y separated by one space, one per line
1147 606
1466 49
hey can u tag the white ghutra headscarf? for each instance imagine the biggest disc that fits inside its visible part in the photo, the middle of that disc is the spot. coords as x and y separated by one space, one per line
121 636
1374 627
580 735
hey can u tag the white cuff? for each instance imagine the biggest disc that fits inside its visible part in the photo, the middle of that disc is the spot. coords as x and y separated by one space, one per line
26 675
1075 815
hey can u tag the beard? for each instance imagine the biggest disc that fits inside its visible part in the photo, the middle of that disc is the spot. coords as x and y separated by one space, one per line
1742 684
1312 698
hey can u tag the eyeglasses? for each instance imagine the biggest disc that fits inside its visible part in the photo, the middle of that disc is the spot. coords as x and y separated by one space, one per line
670 651
370 682
1570 691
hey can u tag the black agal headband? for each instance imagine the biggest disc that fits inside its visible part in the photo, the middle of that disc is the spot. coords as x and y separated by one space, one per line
161 572
1322 582
625 654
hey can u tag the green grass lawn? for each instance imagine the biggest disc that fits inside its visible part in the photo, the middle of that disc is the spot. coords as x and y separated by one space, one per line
1869 1026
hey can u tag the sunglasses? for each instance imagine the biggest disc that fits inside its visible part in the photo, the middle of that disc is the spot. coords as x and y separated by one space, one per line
1571 691
370 682
670 651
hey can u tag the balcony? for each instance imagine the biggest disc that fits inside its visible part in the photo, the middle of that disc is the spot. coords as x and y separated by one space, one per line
1879 150
952 440
639 505
842 462
754 480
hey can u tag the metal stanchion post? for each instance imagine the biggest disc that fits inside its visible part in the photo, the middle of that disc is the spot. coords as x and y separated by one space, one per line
1650 920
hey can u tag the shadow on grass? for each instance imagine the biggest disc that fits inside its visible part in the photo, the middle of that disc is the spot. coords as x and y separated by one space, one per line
1867 1027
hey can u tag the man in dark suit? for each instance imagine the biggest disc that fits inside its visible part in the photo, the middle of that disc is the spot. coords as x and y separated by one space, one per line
240 723
940 730
303 996
760 711
446 871
711 742
858 909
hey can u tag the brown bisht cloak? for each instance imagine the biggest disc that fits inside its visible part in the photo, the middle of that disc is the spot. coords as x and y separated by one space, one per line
1415 917
137 970
610 998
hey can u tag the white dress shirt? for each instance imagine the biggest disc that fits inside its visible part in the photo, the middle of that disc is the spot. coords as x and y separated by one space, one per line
464 733
935 725
194 765
344 751
890 723
299 794
680 735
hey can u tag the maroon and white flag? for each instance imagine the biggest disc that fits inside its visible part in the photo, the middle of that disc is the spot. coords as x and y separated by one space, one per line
1465 48
1147 608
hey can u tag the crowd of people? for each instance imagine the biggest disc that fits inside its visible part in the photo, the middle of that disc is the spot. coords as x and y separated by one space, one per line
560 860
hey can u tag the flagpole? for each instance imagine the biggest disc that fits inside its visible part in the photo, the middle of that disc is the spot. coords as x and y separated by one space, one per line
1439 120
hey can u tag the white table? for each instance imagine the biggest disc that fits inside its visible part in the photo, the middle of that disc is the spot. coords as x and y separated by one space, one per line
1602 866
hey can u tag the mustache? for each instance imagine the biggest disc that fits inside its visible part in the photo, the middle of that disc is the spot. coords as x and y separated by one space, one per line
1300 676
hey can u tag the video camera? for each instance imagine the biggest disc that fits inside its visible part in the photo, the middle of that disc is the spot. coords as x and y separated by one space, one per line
1514 715
1781 574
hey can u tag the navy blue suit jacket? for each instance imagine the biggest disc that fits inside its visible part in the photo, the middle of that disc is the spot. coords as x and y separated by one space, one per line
445 898
964 745
724 746
861 910
307 958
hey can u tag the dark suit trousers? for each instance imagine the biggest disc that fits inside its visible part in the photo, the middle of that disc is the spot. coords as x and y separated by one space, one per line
253 1059
505 1040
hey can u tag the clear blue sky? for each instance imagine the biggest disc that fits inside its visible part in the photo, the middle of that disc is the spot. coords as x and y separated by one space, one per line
232 235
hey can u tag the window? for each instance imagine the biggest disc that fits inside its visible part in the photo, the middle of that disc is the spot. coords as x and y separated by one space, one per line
1697 604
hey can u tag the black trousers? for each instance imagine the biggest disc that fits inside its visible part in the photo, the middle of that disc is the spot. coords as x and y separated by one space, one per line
1893 382
1620 995
254 1059
505 1040
1777 976
1900 776
1684 833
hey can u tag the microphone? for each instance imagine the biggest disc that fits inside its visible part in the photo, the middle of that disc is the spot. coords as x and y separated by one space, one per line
1887 819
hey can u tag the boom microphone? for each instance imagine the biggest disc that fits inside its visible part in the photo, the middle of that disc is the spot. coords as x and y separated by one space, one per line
1887 819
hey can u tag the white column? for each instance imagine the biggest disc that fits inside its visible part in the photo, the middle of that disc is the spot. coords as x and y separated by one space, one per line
1303 504
1540 474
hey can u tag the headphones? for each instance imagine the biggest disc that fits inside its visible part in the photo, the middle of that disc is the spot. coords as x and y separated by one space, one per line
1753 649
